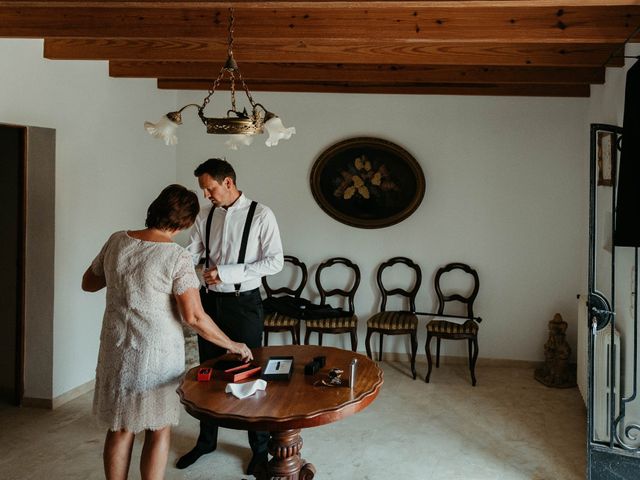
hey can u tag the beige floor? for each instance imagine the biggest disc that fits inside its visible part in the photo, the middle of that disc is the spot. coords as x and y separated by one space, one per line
508 427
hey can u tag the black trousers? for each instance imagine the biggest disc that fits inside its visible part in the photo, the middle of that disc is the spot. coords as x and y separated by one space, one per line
242 319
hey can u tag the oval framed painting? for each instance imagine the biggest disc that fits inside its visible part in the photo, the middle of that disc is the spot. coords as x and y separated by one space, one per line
367 182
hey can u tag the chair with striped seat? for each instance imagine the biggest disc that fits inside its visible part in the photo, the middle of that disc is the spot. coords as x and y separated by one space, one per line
339 324
449 330
402 322
278 322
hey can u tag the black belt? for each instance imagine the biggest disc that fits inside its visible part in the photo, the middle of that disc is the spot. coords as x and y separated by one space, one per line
233 294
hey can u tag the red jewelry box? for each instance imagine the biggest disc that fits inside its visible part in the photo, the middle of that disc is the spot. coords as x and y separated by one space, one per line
241 372
204 374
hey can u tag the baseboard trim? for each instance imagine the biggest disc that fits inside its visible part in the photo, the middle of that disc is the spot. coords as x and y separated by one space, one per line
32 402
73 393
52 404
455 360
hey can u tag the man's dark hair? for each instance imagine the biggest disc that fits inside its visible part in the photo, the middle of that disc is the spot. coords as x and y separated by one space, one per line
217 168
176 208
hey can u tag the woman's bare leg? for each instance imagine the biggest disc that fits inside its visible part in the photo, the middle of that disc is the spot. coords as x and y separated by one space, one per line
155 453
117 454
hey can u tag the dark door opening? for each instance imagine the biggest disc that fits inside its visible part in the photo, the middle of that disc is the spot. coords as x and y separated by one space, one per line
12 199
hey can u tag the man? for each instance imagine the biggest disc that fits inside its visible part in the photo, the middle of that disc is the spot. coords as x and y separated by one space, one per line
241 243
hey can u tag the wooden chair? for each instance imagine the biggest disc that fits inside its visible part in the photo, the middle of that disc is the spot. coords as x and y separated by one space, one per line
277 322
455 331
349 322
401 322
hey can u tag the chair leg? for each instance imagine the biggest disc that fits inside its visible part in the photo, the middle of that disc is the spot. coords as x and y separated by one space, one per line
380 351
367 343
320 338
473 362
437 352
414 351
354 340
307 334
266 338
294 337
298 337
427 349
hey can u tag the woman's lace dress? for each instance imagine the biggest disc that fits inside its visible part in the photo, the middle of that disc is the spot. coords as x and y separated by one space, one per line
141 357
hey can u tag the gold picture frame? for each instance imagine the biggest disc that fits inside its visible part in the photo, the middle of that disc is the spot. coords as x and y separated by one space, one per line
367 182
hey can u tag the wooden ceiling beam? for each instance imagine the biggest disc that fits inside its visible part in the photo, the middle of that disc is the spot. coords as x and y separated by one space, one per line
549 90
335 51
453 47
301 72
520 21
319 4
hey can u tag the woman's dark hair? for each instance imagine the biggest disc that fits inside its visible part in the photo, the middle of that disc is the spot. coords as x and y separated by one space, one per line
217 168
176 208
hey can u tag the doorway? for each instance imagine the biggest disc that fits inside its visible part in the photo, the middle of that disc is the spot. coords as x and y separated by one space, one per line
614 405
12 195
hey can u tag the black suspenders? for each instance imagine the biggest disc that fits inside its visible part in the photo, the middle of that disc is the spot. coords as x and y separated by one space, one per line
245 238
243 244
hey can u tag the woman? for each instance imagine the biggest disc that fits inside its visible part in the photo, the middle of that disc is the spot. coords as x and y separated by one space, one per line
151 283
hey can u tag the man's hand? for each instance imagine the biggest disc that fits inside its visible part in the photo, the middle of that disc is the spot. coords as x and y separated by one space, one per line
211 276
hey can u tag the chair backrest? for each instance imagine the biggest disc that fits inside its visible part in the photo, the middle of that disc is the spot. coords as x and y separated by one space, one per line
348 293
297 291
410 294
457 297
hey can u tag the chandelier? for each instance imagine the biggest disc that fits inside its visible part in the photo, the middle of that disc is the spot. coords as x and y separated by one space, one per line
241 126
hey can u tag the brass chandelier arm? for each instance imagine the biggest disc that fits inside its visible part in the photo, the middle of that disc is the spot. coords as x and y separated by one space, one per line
188 105
176 116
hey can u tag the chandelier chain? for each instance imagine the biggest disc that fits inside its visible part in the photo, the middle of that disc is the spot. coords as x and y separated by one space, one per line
232 74
238 124
212 90
230 54
231 22
232 78
215 85
246 90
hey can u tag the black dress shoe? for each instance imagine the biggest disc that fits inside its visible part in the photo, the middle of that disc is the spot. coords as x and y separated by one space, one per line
190 457
257 460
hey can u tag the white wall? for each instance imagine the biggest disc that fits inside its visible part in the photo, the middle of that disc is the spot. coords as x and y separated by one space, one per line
505 193
108 171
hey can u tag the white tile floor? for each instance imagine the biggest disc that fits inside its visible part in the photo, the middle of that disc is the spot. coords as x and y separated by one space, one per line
509 427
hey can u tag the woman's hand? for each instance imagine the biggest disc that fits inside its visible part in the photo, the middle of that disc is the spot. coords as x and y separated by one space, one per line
242 350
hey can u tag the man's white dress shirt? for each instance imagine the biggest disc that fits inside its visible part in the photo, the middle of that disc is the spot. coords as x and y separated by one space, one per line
264 254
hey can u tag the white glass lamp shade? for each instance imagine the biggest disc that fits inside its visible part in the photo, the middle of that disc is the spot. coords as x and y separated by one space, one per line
164 129
238 140
277 131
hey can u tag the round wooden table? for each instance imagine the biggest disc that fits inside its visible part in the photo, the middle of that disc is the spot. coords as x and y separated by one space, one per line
286 406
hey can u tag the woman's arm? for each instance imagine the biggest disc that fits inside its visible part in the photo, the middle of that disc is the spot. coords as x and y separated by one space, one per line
92 282
194 315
